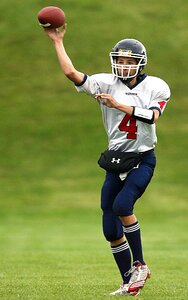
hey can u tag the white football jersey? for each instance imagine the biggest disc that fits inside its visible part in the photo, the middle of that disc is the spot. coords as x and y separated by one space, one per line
124 132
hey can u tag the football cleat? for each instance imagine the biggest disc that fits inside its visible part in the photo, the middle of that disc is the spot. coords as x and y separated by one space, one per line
140 273
124 290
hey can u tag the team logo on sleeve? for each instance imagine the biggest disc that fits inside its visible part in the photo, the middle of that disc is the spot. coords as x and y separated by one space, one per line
162 104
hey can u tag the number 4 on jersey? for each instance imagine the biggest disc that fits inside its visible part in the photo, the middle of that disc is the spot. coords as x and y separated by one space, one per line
128 124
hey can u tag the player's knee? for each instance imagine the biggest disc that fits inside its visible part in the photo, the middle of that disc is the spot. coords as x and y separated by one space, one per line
112 226
122 208
111 236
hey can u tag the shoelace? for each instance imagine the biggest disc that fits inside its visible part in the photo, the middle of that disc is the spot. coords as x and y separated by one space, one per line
130 271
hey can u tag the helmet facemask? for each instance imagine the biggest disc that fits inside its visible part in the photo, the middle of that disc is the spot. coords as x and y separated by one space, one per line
118 69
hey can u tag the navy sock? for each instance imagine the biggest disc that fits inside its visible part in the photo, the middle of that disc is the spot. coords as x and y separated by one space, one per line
122 257
133 236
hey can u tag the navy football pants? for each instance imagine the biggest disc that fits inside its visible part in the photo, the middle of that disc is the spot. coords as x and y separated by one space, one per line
118 197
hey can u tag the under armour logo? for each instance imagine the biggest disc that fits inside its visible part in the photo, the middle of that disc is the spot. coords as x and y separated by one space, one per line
117 161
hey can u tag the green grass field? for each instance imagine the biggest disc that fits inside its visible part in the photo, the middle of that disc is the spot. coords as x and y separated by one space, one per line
51 242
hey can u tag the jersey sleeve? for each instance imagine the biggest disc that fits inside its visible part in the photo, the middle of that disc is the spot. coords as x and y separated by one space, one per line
90 85
160 96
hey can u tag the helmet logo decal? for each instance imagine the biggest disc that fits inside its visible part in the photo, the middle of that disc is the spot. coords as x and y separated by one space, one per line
125 52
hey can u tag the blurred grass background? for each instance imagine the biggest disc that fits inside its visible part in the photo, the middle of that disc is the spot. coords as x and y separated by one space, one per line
51 137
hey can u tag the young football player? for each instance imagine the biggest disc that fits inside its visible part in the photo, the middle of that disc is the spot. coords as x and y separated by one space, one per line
131 103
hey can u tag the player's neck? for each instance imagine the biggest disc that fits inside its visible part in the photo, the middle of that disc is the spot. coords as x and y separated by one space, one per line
130 83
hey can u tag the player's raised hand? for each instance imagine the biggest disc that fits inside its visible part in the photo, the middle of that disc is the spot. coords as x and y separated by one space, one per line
107 100
56 34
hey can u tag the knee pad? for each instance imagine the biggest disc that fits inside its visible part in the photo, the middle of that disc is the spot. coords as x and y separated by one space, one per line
111 236
112 226
123 206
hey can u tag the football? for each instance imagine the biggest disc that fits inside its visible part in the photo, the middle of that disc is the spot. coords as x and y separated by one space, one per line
51 17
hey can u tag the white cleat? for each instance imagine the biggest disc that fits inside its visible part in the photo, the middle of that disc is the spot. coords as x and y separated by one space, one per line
140 273
123 290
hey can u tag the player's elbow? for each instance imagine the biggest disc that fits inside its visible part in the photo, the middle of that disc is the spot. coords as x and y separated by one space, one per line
70 74
75 76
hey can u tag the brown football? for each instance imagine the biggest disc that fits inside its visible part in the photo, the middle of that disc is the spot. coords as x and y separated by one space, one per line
51 17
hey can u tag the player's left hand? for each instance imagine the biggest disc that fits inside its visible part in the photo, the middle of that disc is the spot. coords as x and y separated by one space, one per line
107 100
